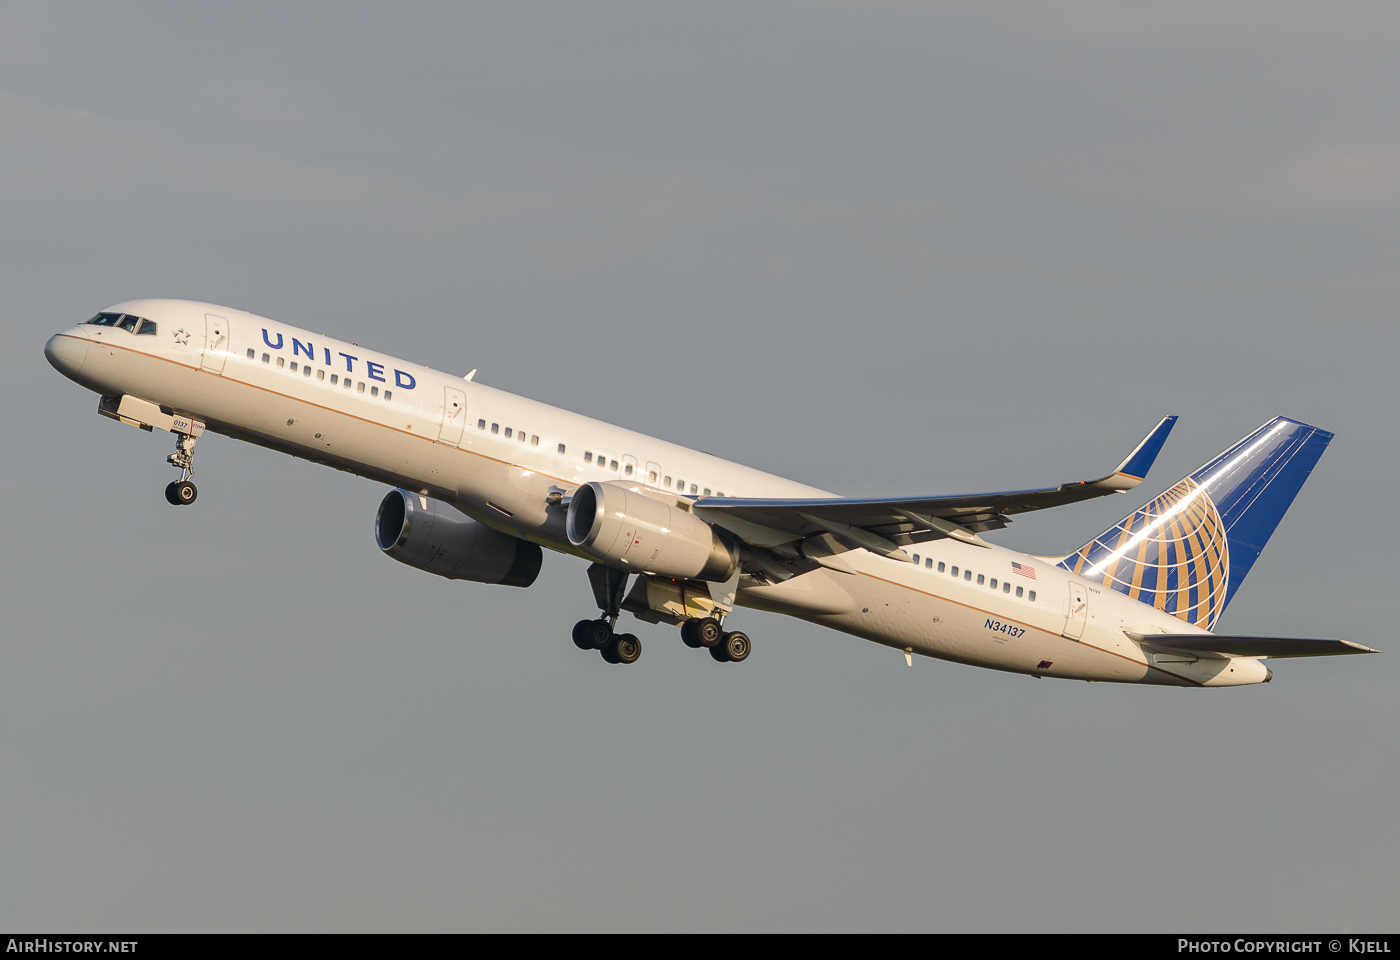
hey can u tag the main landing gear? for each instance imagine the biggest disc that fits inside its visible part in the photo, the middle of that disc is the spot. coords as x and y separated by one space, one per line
710 634
609 585
182 492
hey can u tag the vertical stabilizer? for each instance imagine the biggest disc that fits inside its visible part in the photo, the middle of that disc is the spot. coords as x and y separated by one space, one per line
1188 551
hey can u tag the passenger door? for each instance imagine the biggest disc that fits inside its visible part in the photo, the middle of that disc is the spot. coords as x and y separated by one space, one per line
454 415
1078 613
215 344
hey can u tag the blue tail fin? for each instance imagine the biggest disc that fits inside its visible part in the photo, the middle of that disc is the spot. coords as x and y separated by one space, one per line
1188 551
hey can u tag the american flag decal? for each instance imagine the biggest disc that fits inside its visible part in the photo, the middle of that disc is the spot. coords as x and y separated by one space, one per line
1023 569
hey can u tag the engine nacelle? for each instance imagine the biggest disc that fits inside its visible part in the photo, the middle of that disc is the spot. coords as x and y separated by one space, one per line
433 536
617 525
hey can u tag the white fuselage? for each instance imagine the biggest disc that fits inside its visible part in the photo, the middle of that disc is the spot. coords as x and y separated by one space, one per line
499 457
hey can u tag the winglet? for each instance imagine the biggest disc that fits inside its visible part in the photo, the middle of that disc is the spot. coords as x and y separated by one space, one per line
1132 470
1140 460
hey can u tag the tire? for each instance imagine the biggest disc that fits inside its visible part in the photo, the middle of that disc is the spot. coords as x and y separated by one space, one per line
599 634
185 493
581 635
626 648
736 646
609 653
717 651
688 636
170 496
708 632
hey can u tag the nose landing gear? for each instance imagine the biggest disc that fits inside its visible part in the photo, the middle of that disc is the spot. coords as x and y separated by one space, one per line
182 492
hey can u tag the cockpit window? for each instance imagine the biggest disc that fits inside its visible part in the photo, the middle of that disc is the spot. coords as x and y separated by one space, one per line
147 329
106 319
129 322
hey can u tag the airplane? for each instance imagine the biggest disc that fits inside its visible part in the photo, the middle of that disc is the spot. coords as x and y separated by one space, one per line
482 480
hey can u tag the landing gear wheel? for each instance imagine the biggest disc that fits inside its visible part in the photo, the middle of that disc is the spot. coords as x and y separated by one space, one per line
708 632
625 648
581 635
610 653
718 653
598 633
736 646
181 493
689 636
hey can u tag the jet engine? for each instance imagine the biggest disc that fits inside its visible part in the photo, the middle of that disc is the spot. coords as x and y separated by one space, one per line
618 525
433 536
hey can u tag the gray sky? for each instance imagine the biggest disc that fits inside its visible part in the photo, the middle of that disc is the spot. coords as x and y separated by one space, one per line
881 248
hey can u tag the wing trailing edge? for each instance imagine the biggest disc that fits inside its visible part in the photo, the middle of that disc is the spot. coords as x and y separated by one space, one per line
1259 647
901 521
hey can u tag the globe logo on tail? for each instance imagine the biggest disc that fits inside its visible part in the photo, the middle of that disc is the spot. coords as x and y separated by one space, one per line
1172 554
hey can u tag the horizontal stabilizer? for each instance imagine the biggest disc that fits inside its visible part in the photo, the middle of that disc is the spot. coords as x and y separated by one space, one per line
1262 647
907 520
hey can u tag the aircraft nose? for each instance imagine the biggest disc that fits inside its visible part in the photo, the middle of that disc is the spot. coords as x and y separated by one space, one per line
66 351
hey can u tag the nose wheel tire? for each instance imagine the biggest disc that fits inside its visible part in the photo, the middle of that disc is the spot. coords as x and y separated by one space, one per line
181 493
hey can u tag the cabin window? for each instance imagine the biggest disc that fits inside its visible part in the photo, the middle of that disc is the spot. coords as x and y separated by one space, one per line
651 476
293 367
360 388
335 378
994 583
495 428
707 491
148 329
320 374
612 465
719 493
928 563
306 371
252 353
266 358
1006 588
481 424
628 470
916 559
692 488
374 391
534 440
388 394
981 579
346 381
507 433
1019 591
940 566
967 574
520 436
281 363
954 571
680 485
1031 598
666 482
588 456
561 449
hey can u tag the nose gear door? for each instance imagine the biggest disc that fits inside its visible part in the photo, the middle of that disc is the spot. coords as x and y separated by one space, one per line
454 415
215 344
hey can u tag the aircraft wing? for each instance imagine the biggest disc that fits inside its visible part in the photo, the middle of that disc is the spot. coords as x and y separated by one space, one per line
884 524
1270 647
